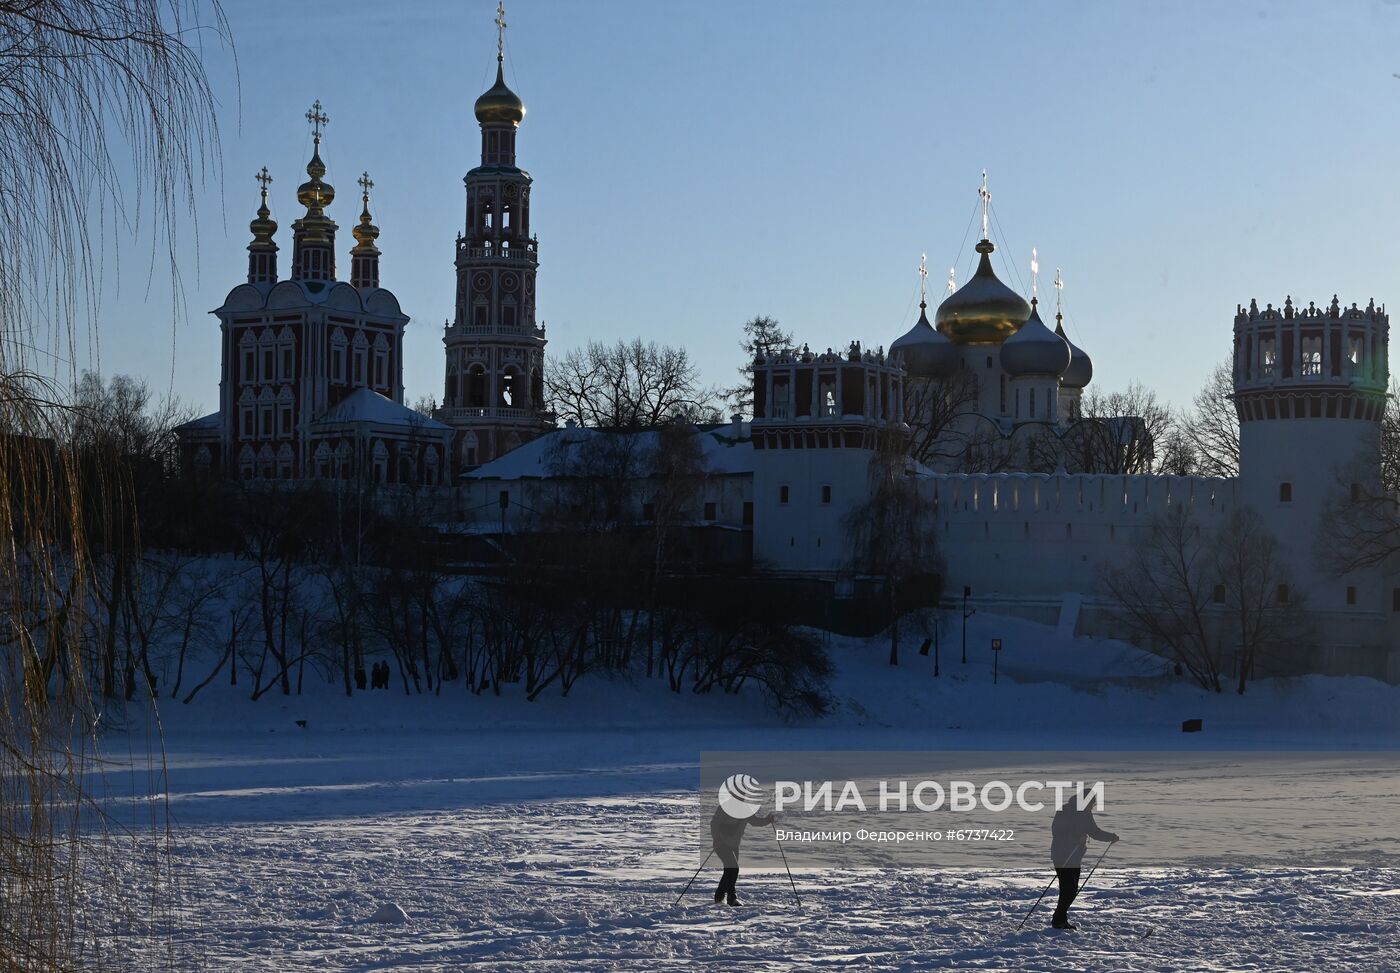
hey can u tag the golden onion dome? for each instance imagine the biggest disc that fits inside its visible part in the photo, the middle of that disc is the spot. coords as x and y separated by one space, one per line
365 232
499 105
984 310
315 194
264 225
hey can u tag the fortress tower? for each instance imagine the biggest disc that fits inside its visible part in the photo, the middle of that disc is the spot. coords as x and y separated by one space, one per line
1310 390
817 421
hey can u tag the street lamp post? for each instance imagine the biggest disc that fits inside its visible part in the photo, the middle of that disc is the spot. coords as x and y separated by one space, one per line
967 593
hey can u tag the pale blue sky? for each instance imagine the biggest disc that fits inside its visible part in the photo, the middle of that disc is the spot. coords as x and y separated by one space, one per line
697 163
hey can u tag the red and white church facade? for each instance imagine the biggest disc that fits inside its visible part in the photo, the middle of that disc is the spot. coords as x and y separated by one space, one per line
311 384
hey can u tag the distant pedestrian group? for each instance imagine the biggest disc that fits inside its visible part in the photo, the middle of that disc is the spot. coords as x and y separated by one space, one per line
379 676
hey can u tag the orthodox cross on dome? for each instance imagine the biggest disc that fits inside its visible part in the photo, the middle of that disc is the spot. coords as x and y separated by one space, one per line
264 179
1059 291
952 279
317 118
366 184
500 31
923 279
1035 273
986 198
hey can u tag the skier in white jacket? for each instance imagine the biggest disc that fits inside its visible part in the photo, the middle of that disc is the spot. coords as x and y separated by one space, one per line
1070 832
726 832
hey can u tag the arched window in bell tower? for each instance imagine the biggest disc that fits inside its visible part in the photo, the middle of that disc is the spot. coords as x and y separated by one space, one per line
510 390
476 387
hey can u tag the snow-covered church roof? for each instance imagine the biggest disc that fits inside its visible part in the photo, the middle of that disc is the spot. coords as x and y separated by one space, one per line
213 421
368 406
724 449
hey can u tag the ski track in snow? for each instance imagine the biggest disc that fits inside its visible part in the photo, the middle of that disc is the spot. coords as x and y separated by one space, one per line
555 835
589 885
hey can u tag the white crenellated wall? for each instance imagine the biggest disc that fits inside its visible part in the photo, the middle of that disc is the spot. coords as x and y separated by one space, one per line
1044 535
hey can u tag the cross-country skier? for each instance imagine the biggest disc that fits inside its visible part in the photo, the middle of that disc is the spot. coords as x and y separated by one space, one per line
727 831
1070 832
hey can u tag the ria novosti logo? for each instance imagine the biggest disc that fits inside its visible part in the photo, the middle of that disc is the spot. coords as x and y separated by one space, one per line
740 796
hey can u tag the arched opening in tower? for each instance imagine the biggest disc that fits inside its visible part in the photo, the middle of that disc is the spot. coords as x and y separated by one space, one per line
512 391
476 387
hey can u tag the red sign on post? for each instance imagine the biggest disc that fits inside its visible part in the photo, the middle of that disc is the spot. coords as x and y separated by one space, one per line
996 645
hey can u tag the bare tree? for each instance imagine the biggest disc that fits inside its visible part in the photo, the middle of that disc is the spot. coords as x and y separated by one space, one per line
1120 432
278 523
986 449
1263 608
1205 595
1164 590
106 121
1360 523
891 534
81 80
1390 441
762 337
1175 455
939 416
1212 427
191 613
628 385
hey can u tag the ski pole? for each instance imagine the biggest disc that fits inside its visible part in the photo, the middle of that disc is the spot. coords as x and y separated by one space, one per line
1084 884
693 878
785 866
1037 901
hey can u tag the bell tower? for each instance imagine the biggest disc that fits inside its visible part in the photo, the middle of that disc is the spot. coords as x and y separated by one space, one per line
493 395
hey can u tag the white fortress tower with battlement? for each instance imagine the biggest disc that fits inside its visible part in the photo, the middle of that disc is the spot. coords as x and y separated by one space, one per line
1310 391
817 421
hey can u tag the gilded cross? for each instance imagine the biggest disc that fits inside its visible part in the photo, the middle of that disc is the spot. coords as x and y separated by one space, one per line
317 118
923 278
1035 273
986 198
366 184
264 179
500 31
1059 291
952 279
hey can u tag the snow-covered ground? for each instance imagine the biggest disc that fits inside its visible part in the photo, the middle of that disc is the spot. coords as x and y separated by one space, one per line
556 835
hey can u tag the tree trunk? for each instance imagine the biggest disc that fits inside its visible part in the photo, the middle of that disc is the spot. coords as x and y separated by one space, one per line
894 623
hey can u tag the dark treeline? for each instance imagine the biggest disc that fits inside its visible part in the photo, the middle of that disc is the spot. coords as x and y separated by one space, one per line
264 585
